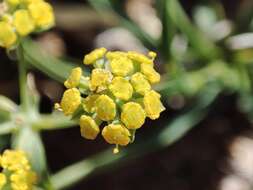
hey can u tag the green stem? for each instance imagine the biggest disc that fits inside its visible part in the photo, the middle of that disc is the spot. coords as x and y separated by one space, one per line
22 78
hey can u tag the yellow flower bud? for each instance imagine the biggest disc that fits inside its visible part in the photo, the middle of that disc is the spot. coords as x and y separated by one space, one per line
121 88
94 56
150 73
42 14
140 58
115 55
23 180
100 78
70 101
140 84
132 115
105 108
152 54
2 180
89 103
7 35
153 105
116 134
89 128
74 78
23 22
14 160
121 66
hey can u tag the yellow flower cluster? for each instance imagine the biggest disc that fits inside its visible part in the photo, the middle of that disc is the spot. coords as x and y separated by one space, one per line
16 171
117 92
23 17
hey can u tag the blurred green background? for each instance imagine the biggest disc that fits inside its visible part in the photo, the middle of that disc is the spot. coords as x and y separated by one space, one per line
204 140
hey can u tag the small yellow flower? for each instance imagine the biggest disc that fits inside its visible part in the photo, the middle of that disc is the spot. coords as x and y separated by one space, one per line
14 160
7 35
100 78
115 55
133 116
89 128
121 66
140 58
105 108
74 78
152 54
2 180
70 101
89 103
150 73
140 84
23 180
116 134
42 14
94 56
152 104
121 88
23 22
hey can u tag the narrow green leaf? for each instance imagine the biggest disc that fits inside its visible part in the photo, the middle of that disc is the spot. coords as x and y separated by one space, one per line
202 45
53 67
53 121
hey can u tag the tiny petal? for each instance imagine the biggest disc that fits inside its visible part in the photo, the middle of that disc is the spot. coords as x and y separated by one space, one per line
140 84
42 14
89 103
150 73
94 56
121 88
121 66
89 128
105 108
116 134
133 116
23 22
153 105
140 58
74 78
3 180
70 101
7 35
100 78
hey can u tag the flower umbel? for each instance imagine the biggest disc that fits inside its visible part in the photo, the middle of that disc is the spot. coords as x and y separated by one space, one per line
118 92
23 17
16 171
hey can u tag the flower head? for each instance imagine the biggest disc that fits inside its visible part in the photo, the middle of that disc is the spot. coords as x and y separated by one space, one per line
17 171
23 17
118 93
